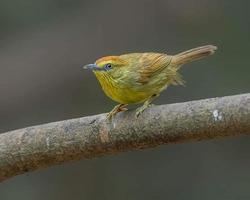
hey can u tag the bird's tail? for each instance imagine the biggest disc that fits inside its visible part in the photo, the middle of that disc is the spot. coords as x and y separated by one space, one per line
193 54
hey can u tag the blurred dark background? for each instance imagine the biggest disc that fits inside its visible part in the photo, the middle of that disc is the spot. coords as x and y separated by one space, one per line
43 45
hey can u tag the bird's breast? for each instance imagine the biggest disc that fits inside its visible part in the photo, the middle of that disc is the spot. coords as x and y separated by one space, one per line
124 93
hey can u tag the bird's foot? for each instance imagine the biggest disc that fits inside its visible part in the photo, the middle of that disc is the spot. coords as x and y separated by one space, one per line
115 110
141 109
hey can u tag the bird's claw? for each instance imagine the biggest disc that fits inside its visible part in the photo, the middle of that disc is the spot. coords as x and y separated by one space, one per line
110 115
141 109
138 113
116 109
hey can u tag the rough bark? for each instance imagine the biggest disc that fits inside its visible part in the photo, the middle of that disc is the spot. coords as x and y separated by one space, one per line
46 145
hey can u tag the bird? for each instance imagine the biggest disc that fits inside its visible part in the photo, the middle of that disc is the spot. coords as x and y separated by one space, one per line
139 78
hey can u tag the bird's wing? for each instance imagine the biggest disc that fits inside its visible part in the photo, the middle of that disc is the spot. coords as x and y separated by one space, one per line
150 64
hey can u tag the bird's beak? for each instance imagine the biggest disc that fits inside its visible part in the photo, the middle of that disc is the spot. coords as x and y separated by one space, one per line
91 67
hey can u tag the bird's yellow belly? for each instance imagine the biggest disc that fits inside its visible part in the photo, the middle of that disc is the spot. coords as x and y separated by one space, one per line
126 95
130 93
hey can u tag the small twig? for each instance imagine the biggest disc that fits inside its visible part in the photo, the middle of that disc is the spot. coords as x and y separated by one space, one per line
46 145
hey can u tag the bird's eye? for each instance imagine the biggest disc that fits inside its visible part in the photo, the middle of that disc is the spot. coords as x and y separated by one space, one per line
108 66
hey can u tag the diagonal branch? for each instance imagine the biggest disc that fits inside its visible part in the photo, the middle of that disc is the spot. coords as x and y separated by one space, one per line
45 145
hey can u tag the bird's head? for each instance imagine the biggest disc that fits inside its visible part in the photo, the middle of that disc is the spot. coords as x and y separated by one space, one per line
108 65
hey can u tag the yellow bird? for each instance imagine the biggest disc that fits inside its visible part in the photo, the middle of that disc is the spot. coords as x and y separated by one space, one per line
140 77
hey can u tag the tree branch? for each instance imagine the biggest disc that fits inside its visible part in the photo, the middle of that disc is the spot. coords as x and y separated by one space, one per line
45 145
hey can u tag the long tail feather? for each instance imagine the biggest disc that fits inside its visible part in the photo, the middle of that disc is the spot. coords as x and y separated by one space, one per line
193 54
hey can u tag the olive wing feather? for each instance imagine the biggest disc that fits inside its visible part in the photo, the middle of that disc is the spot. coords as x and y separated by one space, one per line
149 65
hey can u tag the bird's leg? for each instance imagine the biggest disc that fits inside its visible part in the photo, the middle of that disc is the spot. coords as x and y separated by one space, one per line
116 109
145 105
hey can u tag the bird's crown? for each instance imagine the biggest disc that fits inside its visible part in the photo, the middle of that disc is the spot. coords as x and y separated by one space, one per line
110 61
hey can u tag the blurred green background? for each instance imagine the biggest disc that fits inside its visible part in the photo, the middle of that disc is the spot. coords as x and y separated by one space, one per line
43 45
